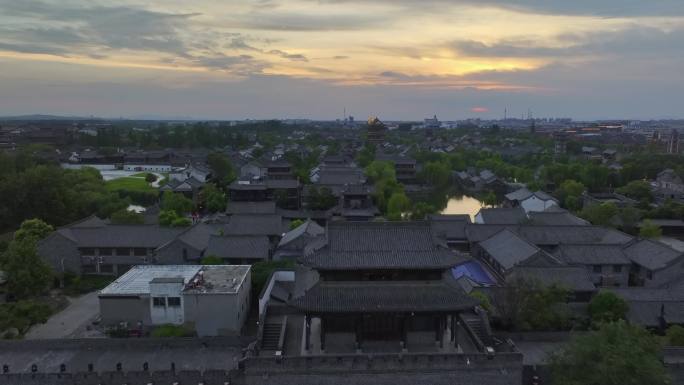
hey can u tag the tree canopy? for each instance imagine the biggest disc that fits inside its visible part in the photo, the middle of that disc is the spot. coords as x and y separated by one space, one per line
607 307
616 354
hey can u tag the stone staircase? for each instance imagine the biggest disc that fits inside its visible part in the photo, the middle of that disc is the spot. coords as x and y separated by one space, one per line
271 336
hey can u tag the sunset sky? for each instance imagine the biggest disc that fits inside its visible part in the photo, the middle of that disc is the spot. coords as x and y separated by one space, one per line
398 59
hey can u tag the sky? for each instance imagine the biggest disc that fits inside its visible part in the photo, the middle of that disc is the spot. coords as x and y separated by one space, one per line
397 59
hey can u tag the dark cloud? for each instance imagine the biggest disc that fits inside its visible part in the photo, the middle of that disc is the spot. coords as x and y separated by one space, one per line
602 8
629 41
290 56
94 27
281 21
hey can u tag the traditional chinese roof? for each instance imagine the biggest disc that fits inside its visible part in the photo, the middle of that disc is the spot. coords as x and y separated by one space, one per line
381 245
369 297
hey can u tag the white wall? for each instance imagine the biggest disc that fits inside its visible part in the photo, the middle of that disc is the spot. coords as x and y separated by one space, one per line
148 167
167 314
535 204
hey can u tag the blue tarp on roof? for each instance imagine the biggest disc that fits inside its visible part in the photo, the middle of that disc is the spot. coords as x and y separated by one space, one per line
474 271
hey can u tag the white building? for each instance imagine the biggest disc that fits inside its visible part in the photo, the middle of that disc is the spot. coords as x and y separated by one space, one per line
215 299
530 201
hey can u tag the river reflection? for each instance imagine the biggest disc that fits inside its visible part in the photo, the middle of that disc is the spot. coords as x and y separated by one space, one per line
463 205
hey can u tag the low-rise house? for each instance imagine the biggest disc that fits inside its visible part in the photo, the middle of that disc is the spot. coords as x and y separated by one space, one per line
197 171
213 299
506 250
293 243
92 246
654 308
555 216
654 263
669 186
190 187
607 264
530 201
148 161
501 216
451 229
286 193
239 249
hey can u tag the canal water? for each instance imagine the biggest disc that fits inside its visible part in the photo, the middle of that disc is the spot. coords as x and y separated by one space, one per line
463 204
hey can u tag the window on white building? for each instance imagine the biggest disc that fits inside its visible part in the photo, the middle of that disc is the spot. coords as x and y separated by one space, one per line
174 301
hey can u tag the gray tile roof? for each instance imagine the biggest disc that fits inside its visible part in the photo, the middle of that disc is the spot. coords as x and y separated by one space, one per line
645 305
281 183
368 297
378 245
309 227
239 246
255 224
524 193
555 218
508 249
503 215
651 254
197 236
265 207
552 235
574 278
149 236
592 255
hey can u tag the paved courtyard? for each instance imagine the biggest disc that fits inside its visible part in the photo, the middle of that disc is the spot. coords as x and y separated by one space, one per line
71 322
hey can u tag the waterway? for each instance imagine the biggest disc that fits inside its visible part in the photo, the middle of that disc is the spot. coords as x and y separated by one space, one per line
463 204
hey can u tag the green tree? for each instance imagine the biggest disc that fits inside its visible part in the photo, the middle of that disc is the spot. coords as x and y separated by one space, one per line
170 218
600 214
397 205
221 167
421 210
524 304
569 193
437 174
483 299
380 170
150 178
176 202
366 155
214 199
616 354
650 230
637 189
296 223
32 229
27 274
127 217
607 307
320 199
674 336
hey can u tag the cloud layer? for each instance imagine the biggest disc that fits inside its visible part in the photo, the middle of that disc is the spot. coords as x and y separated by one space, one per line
404 58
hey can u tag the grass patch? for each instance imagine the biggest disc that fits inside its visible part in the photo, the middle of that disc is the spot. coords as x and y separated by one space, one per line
169 330
130 184
22 315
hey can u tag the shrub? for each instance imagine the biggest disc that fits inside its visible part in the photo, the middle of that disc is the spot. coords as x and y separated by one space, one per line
675 335
150 178
212 260
607 307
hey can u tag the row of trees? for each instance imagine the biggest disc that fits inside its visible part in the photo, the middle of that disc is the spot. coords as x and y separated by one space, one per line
32 188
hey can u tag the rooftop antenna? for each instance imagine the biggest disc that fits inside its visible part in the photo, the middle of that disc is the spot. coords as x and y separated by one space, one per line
505 113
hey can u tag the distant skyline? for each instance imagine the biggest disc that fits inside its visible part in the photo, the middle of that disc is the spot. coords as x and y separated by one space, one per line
397 59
